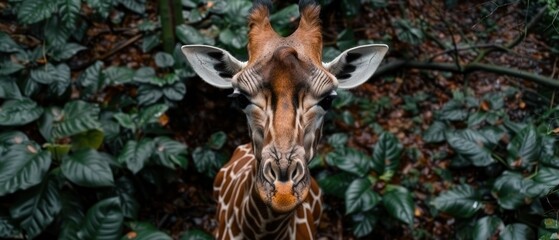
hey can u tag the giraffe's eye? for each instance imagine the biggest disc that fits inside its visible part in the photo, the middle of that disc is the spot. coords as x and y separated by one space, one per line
326 102
240 99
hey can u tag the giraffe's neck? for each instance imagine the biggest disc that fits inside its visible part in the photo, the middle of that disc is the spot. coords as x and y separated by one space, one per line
243 215
258 221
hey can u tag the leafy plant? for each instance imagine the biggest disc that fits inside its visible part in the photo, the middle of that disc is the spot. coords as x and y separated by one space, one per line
366 182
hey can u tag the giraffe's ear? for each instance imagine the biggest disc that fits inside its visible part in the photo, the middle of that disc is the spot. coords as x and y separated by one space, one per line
214 65
356 65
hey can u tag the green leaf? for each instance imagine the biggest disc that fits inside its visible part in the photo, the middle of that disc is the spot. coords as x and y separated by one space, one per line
346 39
509 190
103 221
462 201
102 7
148 234
90 139
435 133
486 227
386 155
151 114
8 228
76 117
61 80
338 140
69 11
175 92
190 35
7 44
18 112
136 154
45 74
232 38
92 78
548 228
471 145
71 216
170 153
65 51
58 151
359 196
32 11
336 184
126 120
12 138
149 42
196 234
281 19
149 94
206 160
407 33
363 223
36 208
453 110
547 176
217 140
87 168
163 60
10 67
57 33
9 89
350 160
118 75
517 231
524 148
137 6
399 203
22 166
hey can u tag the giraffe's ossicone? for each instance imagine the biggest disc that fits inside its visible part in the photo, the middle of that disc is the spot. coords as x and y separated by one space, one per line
266 191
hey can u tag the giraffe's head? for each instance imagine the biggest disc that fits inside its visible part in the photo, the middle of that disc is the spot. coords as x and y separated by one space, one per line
285 90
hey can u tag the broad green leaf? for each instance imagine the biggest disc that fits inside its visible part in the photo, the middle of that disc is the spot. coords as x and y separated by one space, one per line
65 51
517 231
69 11
10 67
486 227
56 32
547 176
336 184
190 35
92 78
102 7
76 117
44 74
363 223
163 59
360 197
408 33
549 227
149 94
18 112
90 139
32 11
462 201
435 133
346 39
118 75
58 151
137 6
338 140
146 75
471 145
151 114
9 89
217 140
136 154
103 221
36 208
8 227
7 44
477 118
147 234
22 166
175 92
232 38
126 120
72 214
453 110
524 148
61 80
386 155
12 137
170 153
509 190
87 168
399 203
149 42
350 160
196 234
206 160
282 18
126 190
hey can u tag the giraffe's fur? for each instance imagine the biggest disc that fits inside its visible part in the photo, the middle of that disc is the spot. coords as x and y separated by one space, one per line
244 216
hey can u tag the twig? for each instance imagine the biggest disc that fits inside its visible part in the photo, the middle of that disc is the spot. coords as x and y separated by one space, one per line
468 68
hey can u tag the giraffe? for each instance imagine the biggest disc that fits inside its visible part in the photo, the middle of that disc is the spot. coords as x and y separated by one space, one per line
265 191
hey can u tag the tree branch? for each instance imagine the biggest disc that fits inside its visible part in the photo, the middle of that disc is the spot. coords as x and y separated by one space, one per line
471 67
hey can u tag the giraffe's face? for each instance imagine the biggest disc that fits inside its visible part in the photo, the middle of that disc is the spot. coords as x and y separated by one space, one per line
285 99
285 90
